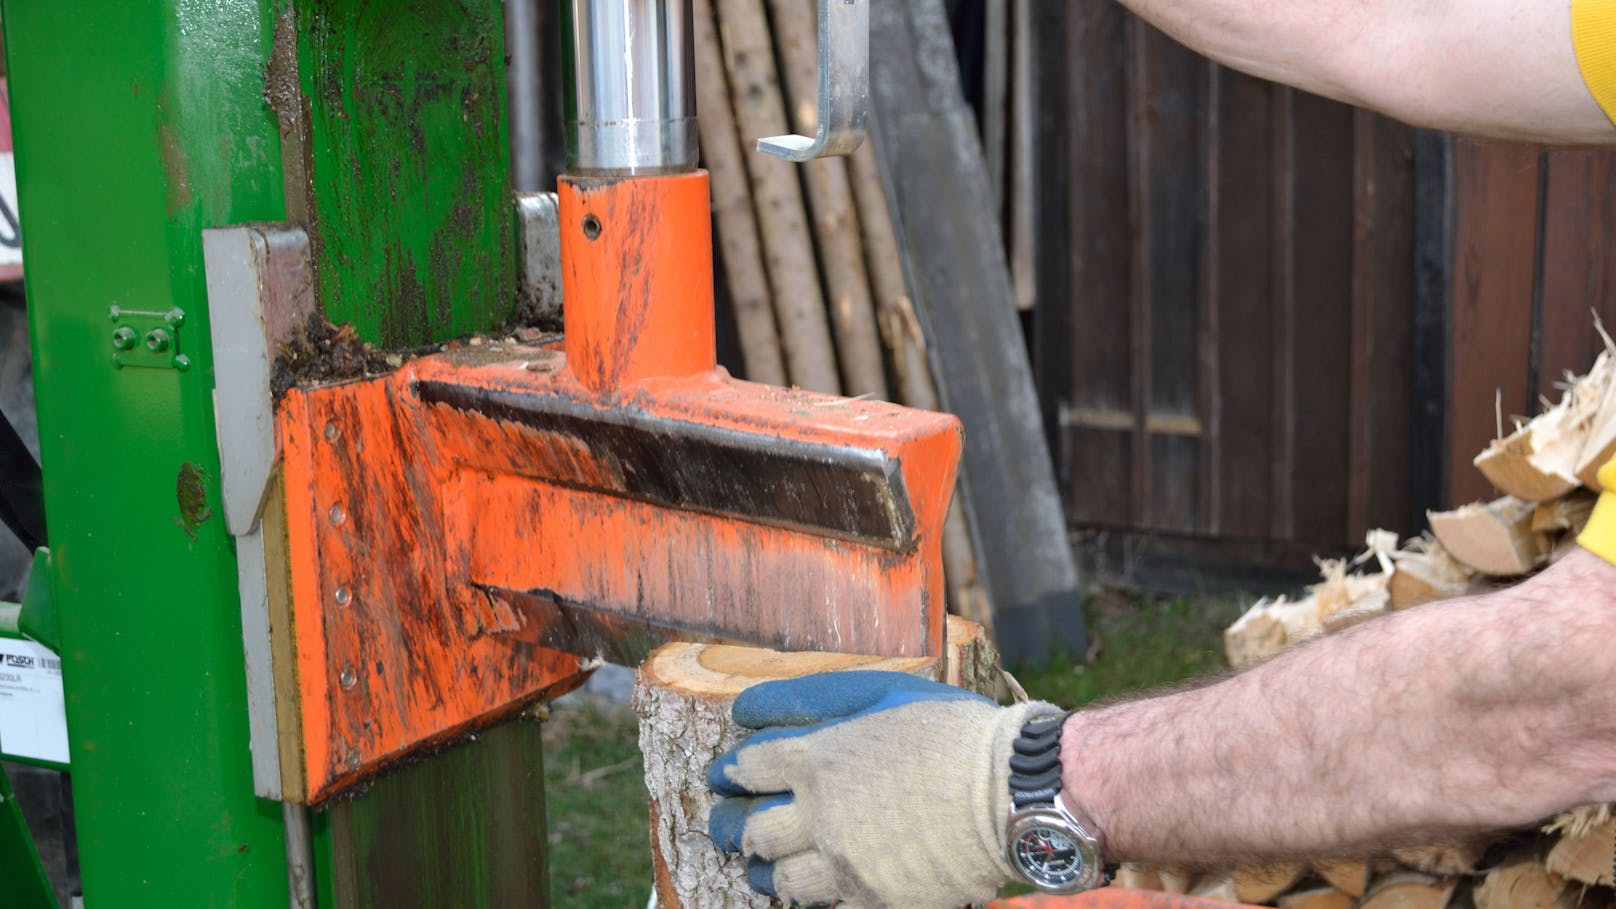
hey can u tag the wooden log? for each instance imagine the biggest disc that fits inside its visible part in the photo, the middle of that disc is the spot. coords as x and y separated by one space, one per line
1408 890
1567 514
1425 571
830 198
782 218
1494 538
1268 628
1541 459
1350 876
1216 886
683 695
1520 882
745 280
1443 858
1315 898
1262 883
1585 855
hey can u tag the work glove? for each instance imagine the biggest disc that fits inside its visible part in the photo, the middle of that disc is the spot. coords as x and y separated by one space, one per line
877 789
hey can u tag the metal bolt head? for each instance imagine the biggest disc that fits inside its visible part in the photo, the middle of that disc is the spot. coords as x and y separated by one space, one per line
348 678
337 515
124 338
332 432
353 758
158 340
343 596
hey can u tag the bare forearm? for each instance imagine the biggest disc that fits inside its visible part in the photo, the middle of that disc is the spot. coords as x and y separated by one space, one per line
1495 68
1467 715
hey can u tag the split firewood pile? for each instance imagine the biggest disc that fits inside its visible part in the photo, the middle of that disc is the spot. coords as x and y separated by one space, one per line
808 255
1546 470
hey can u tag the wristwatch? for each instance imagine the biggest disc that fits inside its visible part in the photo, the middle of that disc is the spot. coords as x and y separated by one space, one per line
1048 845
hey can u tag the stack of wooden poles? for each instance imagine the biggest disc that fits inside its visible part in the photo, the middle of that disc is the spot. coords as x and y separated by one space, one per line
1546 470
808 253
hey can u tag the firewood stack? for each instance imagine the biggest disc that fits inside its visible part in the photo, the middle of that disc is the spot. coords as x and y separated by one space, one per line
1546 471
807 254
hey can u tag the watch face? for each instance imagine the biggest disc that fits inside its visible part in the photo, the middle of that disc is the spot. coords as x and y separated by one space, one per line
1048 856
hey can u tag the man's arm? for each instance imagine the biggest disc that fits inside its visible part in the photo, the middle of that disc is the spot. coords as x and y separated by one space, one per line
1504 69
1459 716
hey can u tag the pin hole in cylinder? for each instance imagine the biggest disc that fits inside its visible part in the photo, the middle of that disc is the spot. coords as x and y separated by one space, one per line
592 227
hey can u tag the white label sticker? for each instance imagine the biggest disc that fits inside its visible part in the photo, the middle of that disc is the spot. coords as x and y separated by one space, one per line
10 236
33 714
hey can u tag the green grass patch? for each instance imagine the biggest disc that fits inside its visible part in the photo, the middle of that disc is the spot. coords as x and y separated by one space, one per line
1136 642
594 788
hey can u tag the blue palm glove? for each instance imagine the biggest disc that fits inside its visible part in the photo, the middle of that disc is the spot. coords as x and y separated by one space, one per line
876 789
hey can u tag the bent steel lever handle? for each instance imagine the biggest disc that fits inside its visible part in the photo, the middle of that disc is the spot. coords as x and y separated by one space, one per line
844 85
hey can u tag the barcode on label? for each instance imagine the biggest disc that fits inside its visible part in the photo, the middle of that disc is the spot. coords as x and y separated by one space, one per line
51 663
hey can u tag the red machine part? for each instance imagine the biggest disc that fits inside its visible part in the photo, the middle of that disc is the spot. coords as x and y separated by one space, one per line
452 523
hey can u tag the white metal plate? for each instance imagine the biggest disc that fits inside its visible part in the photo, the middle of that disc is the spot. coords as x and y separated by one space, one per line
33 714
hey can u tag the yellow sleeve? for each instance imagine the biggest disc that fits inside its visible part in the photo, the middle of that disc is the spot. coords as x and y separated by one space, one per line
1593 33
1599 537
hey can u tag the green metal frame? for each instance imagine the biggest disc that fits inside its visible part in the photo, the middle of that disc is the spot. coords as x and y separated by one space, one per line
137 124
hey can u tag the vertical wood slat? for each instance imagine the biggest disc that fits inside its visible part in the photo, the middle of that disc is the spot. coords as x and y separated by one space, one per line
1379 480
1168 187
1100 461
1579 274
1322 321
1241 236
1490 323
1284 302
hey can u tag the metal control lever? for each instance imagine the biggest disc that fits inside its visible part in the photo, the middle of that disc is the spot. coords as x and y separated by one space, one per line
844 85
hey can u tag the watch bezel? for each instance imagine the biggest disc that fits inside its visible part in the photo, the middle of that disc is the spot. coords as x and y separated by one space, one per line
1056 815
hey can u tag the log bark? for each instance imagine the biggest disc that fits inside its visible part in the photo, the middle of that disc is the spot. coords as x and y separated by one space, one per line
782 220
683 696
745 280
830 199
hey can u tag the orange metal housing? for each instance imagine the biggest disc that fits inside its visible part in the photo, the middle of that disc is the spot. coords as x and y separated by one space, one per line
442 519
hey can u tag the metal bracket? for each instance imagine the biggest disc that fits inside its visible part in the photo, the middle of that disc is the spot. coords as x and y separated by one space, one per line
844 85
150 339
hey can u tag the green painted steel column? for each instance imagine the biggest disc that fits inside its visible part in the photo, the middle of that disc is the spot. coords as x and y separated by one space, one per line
139 123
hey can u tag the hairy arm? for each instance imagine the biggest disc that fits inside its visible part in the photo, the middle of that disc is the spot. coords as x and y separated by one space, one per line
1498 68
1455 717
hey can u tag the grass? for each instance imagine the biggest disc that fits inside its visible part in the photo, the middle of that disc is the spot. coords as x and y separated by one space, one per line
594 787
599 843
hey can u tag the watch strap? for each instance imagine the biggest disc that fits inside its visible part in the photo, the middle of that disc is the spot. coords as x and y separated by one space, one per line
1035 762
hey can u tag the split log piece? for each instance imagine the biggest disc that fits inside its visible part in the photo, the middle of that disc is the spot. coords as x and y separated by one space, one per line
1427 572
1350 876
1494 538
745 279
1408 890
1540 460
1599 443
1219 887
1134 876
1443 858
782 220
1343 600
1315 898
830 199
1261 883
1520 882
1567 514
683 695
1268 628
1586 855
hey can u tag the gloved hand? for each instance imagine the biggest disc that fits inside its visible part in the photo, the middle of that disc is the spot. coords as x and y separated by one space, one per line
878 789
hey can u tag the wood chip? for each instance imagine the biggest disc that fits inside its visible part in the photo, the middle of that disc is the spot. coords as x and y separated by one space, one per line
1494 538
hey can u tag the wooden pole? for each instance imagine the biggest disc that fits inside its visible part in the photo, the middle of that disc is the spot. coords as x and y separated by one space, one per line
782 223
744 276
830 198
